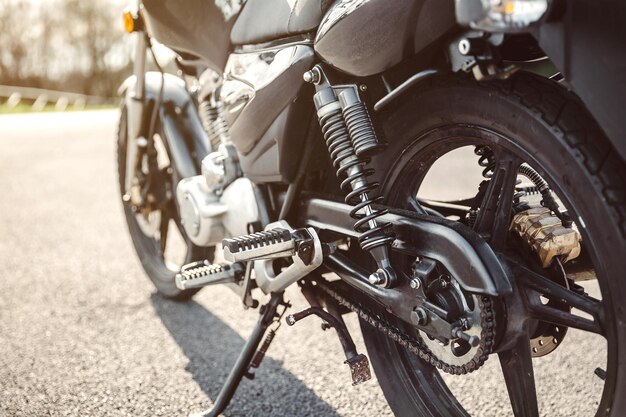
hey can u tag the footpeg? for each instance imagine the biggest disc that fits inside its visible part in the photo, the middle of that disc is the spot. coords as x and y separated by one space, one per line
269 244
202 273
302 246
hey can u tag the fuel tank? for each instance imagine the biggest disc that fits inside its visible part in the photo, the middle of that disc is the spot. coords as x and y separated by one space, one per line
197 27
366 37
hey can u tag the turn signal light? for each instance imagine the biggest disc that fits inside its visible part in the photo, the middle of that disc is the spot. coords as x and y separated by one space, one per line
131 21
501 15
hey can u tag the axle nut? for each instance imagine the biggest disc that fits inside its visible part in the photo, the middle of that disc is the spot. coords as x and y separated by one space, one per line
378 278
419 316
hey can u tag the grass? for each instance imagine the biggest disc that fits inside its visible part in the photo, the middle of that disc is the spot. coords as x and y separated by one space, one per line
27 108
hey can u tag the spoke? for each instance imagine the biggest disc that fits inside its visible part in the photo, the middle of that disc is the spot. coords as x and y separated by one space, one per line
517 368
550 289
495 210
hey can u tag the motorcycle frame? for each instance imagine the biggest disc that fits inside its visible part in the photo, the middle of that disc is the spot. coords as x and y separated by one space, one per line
178 113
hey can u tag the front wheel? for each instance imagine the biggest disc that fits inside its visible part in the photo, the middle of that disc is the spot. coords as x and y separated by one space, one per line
152 218
530 122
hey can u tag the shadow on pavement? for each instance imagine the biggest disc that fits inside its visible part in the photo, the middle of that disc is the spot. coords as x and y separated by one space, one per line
212 348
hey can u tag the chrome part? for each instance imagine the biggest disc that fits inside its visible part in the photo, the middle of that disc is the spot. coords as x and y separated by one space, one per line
253 74
301 39
415 283
200 211
501 15
202 273
308 256
403 87
211 108
221 168
269 244
208 218
381 277
243 207
213 122
545 234
134 101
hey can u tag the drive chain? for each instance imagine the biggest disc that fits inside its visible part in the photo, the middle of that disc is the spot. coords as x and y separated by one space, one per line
416 345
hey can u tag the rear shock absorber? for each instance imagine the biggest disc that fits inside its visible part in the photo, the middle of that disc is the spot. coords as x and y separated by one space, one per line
351 139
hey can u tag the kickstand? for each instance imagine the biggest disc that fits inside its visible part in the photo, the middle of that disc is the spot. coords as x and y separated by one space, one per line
240 369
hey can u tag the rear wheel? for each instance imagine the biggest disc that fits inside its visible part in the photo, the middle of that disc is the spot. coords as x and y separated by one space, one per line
154 222
525 120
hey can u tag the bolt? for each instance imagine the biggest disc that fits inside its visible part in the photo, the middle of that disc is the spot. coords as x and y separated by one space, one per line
378 278
472 340
291 320
311 76
419 316
363 87
465 323
142 142
415 283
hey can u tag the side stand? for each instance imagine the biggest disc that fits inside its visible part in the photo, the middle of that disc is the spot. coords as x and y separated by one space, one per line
268 314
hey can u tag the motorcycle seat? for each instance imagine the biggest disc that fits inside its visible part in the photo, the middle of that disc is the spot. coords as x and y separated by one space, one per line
267 20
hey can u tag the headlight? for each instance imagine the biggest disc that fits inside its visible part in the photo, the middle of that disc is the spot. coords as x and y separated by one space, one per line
501 15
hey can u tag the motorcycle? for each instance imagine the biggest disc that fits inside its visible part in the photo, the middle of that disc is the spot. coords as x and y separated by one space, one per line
293 146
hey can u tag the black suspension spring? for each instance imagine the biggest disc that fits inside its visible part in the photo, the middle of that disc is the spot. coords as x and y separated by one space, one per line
356 184
364 138
487 160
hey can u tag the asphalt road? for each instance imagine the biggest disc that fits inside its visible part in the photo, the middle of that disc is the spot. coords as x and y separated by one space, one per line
83 333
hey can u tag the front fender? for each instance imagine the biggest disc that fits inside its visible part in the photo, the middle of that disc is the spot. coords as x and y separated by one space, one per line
183 133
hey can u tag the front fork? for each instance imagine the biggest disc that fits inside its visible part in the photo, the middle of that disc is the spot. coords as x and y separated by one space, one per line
135 108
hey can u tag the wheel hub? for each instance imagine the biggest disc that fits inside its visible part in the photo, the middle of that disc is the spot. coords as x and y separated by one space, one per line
463 309
471 313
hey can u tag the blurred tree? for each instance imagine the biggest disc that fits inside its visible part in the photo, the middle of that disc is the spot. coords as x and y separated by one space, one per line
70 45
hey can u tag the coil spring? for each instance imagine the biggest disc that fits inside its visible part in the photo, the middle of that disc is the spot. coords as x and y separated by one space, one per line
213 122
361 128
356 185
487 160
534 177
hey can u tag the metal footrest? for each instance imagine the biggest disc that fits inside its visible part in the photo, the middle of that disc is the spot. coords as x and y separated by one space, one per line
274 243
202 273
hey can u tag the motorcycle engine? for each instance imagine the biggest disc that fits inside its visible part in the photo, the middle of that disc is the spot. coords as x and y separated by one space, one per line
217 204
